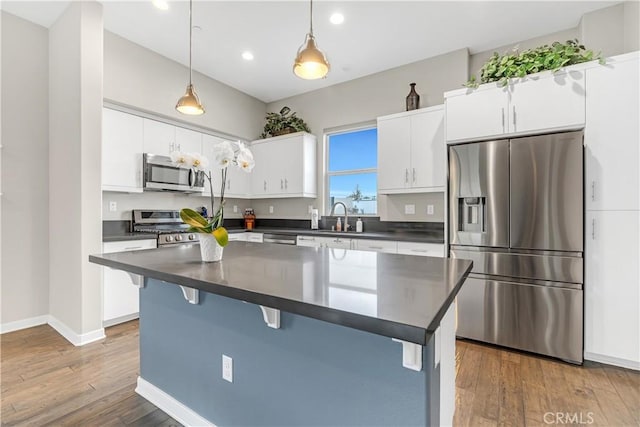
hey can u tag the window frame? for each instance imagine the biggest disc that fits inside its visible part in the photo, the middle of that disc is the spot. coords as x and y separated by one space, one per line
327 175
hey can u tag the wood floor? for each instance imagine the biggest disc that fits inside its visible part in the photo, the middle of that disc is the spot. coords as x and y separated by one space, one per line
47 381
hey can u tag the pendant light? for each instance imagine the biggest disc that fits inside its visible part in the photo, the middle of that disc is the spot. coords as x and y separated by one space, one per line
189 103
310 63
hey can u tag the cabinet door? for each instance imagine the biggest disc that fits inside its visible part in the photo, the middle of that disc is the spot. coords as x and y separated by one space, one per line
120 295
549 103
427 150
386 246
308 241
612 321
208 144
611 138
237 183
159 138
421 249
259 185
336 242
288 154
188 141
121 151
394 151
479 114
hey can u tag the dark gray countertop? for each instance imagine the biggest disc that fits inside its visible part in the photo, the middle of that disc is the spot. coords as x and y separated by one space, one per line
399 296
127 236
421 237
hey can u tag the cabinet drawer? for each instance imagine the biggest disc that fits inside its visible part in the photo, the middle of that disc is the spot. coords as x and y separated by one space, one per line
255 237
376 245
421 249
128 245
238 237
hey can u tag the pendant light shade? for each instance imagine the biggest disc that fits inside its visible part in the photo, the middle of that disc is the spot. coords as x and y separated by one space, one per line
189 103
310 63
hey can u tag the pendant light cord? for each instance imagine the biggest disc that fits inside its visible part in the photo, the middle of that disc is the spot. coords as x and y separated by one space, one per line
311 16
190 41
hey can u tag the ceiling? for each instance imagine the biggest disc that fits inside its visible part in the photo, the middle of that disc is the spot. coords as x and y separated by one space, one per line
375 35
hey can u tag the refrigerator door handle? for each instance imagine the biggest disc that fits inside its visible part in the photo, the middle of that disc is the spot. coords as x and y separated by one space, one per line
502 118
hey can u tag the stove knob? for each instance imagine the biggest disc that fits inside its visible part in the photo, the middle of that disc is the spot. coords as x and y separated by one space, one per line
169 238
192 237
178 238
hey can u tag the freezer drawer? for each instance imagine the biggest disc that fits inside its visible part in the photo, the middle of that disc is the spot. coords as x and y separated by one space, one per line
541 319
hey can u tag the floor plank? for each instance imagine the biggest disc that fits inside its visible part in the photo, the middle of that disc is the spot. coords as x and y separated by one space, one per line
44 380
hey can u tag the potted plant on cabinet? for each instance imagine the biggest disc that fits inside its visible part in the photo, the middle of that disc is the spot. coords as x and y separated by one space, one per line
282 123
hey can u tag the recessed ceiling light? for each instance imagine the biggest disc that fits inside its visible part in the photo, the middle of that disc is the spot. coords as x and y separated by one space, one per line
161 4
337 18
247 56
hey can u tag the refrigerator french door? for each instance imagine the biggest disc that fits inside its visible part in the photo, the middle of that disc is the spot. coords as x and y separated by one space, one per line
516 210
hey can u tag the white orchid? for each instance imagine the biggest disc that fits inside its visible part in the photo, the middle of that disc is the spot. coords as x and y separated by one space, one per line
224 154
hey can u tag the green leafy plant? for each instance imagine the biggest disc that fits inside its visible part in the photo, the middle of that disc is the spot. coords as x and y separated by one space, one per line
283 122
515 64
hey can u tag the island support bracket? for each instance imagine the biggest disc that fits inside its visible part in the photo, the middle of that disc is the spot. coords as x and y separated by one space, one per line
271 316
411 355
136 279
190 294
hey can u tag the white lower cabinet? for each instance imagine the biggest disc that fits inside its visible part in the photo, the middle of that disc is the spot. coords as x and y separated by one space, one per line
387 246
120 299
238 237
324 242
421 249
309 241
255 237
612 287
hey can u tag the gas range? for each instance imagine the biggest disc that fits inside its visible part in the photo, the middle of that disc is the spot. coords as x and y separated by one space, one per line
167 225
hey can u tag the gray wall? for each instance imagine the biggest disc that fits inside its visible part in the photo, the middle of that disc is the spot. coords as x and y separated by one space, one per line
139 78
75 136
25 169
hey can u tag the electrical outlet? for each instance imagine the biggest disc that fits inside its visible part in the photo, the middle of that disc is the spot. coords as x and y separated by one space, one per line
113 206
409 209
235 209
227 368
270 209
429 209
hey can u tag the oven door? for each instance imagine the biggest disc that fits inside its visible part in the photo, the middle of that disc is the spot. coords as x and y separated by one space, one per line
160 174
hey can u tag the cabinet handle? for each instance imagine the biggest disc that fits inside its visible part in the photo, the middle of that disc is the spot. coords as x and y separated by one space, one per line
593 191
514 116
593 229
420 250
375 247
414 175
406 176
265 185
229 184
281 184
132 248
502 118
286 184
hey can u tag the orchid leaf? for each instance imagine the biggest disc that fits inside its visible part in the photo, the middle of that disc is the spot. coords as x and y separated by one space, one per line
193 218
221 235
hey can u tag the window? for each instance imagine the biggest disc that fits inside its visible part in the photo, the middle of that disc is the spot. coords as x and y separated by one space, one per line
352 170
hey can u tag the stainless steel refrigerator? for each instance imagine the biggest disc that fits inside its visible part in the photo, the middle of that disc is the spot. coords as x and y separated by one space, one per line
516 210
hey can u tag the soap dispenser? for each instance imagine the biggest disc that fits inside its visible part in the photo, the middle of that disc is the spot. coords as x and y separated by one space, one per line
359 226
339 225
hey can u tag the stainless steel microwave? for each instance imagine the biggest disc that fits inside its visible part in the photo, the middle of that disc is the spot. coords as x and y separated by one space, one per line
161 174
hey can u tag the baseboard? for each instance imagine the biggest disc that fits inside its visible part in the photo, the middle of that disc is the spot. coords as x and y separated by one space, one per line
74 338
23 324
177 410
615 361
118 320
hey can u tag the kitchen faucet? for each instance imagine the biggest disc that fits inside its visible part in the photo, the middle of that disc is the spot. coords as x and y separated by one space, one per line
346 214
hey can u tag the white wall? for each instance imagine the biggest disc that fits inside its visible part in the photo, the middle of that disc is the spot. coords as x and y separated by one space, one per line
24 285
139 78
362 100
75 135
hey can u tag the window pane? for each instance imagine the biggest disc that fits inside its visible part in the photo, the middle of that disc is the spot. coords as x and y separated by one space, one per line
353 150
357 191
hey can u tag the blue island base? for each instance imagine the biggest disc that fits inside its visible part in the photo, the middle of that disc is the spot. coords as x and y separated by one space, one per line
308 372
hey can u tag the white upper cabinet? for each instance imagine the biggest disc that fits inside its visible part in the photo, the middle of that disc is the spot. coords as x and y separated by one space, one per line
237 180
285 166
411 152
121 151
611 135
543 102
188 141
159 138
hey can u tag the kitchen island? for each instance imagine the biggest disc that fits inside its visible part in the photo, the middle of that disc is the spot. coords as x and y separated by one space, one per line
317 336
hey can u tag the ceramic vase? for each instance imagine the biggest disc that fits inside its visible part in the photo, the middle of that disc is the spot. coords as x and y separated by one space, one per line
210 249
413 99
